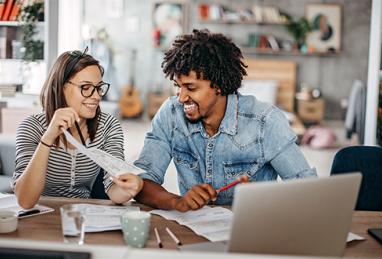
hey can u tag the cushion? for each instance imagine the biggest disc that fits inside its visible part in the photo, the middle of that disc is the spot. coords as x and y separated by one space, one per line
263 90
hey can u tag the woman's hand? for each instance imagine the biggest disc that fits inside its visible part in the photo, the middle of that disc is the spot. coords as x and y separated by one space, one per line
128 183
62 118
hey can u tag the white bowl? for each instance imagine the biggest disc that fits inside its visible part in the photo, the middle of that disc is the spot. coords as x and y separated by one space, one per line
8 221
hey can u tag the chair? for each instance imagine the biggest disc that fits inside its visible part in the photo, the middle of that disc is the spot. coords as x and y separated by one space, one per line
98 189
368 161
7 161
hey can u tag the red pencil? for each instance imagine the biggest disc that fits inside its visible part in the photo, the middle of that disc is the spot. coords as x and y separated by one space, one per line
241 179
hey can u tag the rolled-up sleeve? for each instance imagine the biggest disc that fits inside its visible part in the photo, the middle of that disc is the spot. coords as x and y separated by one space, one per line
281 150
156 154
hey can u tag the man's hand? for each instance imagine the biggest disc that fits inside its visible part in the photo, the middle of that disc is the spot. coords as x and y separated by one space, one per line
196 198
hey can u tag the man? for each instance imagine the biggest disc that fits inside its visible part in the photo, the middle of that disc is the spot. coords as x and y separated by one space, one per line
213 134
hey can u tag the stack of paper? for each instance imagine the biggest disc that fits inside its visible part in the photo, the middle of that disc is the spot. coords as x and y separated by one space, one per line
103 218
211 223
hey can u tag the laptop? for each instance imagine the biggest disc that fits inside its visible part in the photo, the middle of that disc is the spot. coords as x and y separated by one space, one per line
296 217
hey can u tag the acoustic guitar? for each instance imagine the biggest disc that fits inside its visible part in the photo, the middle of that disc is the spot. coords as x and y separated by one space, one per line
130 104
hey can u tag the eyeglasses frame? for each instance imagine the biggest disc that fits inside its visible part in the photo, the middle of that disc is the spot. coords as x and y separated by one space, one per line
95 87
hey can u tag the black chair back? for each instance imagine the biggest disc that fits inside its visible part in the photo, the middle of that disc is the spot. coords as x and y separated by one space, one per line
98 190
368 161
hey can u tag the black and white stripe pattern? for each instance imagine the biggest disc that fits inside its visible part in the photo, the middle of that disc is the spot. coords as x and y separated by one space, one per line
69 173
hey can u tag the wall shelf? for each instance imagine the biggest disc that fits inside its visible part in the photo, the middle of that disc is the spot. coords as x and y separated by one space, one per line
16 23
240 22
258 51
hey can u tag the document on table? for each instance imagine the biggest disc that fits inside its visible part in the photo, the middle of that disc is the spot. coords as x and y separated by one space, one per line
100 218
110 164
351 237
9 202
212 223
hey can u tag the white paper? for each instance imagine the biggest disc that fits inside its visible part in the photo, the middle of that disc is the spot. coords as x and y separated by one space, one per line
210 226
351 237
110 164
211 223
103 218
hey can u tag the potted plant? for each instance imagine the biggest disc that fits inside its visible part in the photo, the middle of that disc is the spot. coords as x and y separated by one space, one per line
298 28
29 16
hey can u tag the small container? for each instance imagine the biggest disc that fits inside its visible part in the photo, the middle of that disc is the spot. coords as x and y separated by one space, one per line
8 221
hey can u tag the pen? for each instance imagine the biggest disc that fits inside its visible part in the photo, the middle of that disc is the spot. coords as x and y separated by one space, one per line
241 179
176 240
24 213
158 238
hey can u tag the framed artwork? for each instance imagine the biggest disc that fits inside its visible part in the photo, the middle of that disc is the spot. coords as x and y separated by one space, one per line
325 20
169 21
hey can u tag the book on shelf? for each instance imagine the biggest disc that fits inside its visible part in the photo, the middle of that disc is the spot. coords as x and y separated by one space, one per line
2 7
15 10
7 10
8 90
273 42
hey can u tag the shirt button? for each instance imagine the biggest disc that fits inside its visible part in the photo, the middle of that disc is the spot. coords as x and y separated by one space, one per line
210 145
209 171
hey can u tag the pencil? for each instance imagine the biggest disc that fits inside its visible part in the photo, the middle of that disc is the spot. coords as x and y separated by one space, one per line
158 238
176 240
238 180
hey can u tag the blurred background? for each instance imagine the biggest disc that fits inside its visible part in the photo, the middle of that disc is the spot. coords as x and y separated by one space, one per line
319 61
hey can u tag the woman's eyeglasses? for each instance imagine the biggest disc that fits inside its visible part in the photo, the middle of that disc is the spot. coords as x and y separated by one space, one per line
88 89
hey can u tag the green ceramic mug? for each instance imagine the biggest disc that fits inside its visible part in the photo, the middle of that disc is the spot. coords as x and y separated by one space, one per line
136 228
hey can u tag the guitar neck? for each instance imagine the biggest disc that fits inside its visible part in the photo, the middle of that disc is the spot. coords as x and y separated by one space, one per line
132 68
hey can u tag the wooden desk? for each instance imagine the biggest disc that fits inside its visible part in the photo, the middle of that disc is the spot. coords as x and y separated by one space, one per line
47 227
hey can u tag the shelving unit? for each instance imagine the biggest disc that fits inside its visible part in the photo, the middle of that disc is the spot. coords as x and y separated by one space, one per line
274 37
14 70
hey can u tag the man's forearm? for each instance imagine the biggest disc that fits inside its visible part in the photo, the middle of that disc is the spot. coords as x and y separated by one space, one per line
154 195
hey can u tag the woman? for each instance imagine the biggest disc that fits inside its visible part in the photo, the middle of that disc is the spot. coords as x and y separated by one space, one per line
47 164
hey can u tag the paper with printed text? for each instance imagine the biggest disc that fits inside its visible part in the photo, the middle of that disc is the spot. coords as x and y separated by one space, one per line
109 163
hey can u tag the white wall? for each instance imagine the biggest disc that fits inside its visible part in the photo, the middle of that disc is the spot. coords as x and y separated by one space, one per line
373 73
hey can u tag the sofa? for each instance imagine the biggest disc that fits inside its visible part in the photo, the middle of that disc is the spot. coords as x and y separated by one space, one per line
7 161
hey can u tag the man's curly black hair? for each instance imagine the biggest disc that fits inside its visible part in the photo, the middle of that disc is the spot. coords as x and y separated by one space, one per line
212 56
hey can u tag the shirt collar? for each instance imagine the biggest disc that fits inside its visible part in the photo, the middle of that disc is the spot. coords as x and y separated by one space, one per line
229 122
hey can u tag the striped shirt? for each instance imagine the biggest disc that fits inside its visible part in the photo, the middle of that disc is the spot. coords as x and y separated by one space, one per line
69 173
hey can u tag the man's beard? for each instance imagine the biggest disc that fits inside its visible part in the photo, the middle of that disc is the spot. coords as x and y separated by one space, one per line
193 121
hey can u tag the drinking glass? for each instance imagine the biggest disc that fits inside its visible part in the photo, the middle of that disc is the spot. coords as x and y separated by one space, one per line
73 223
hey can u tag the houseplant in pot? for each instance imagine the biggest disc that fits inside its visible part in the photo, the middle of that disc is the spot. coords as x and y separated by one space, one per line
299 29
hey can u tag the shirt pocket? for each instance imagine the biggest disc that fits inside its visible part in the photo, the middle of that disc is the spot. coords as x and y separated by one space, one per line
232 170
187 166
185 158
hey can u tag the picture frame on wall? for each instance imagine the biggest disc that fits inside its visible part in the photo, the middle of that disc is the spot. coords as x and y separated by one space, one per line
169 20
325 20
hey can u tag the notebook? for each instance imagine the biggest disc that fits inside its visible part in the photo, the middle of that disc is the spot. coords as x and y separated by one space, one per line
9 202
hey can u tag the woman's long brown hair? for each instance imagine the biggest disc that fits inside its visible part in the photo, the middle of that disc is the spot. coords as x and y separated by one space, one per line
52 94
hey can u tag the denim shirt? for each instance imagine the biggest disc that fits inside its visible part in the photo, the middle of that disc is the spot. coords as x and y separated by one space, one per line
254 139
